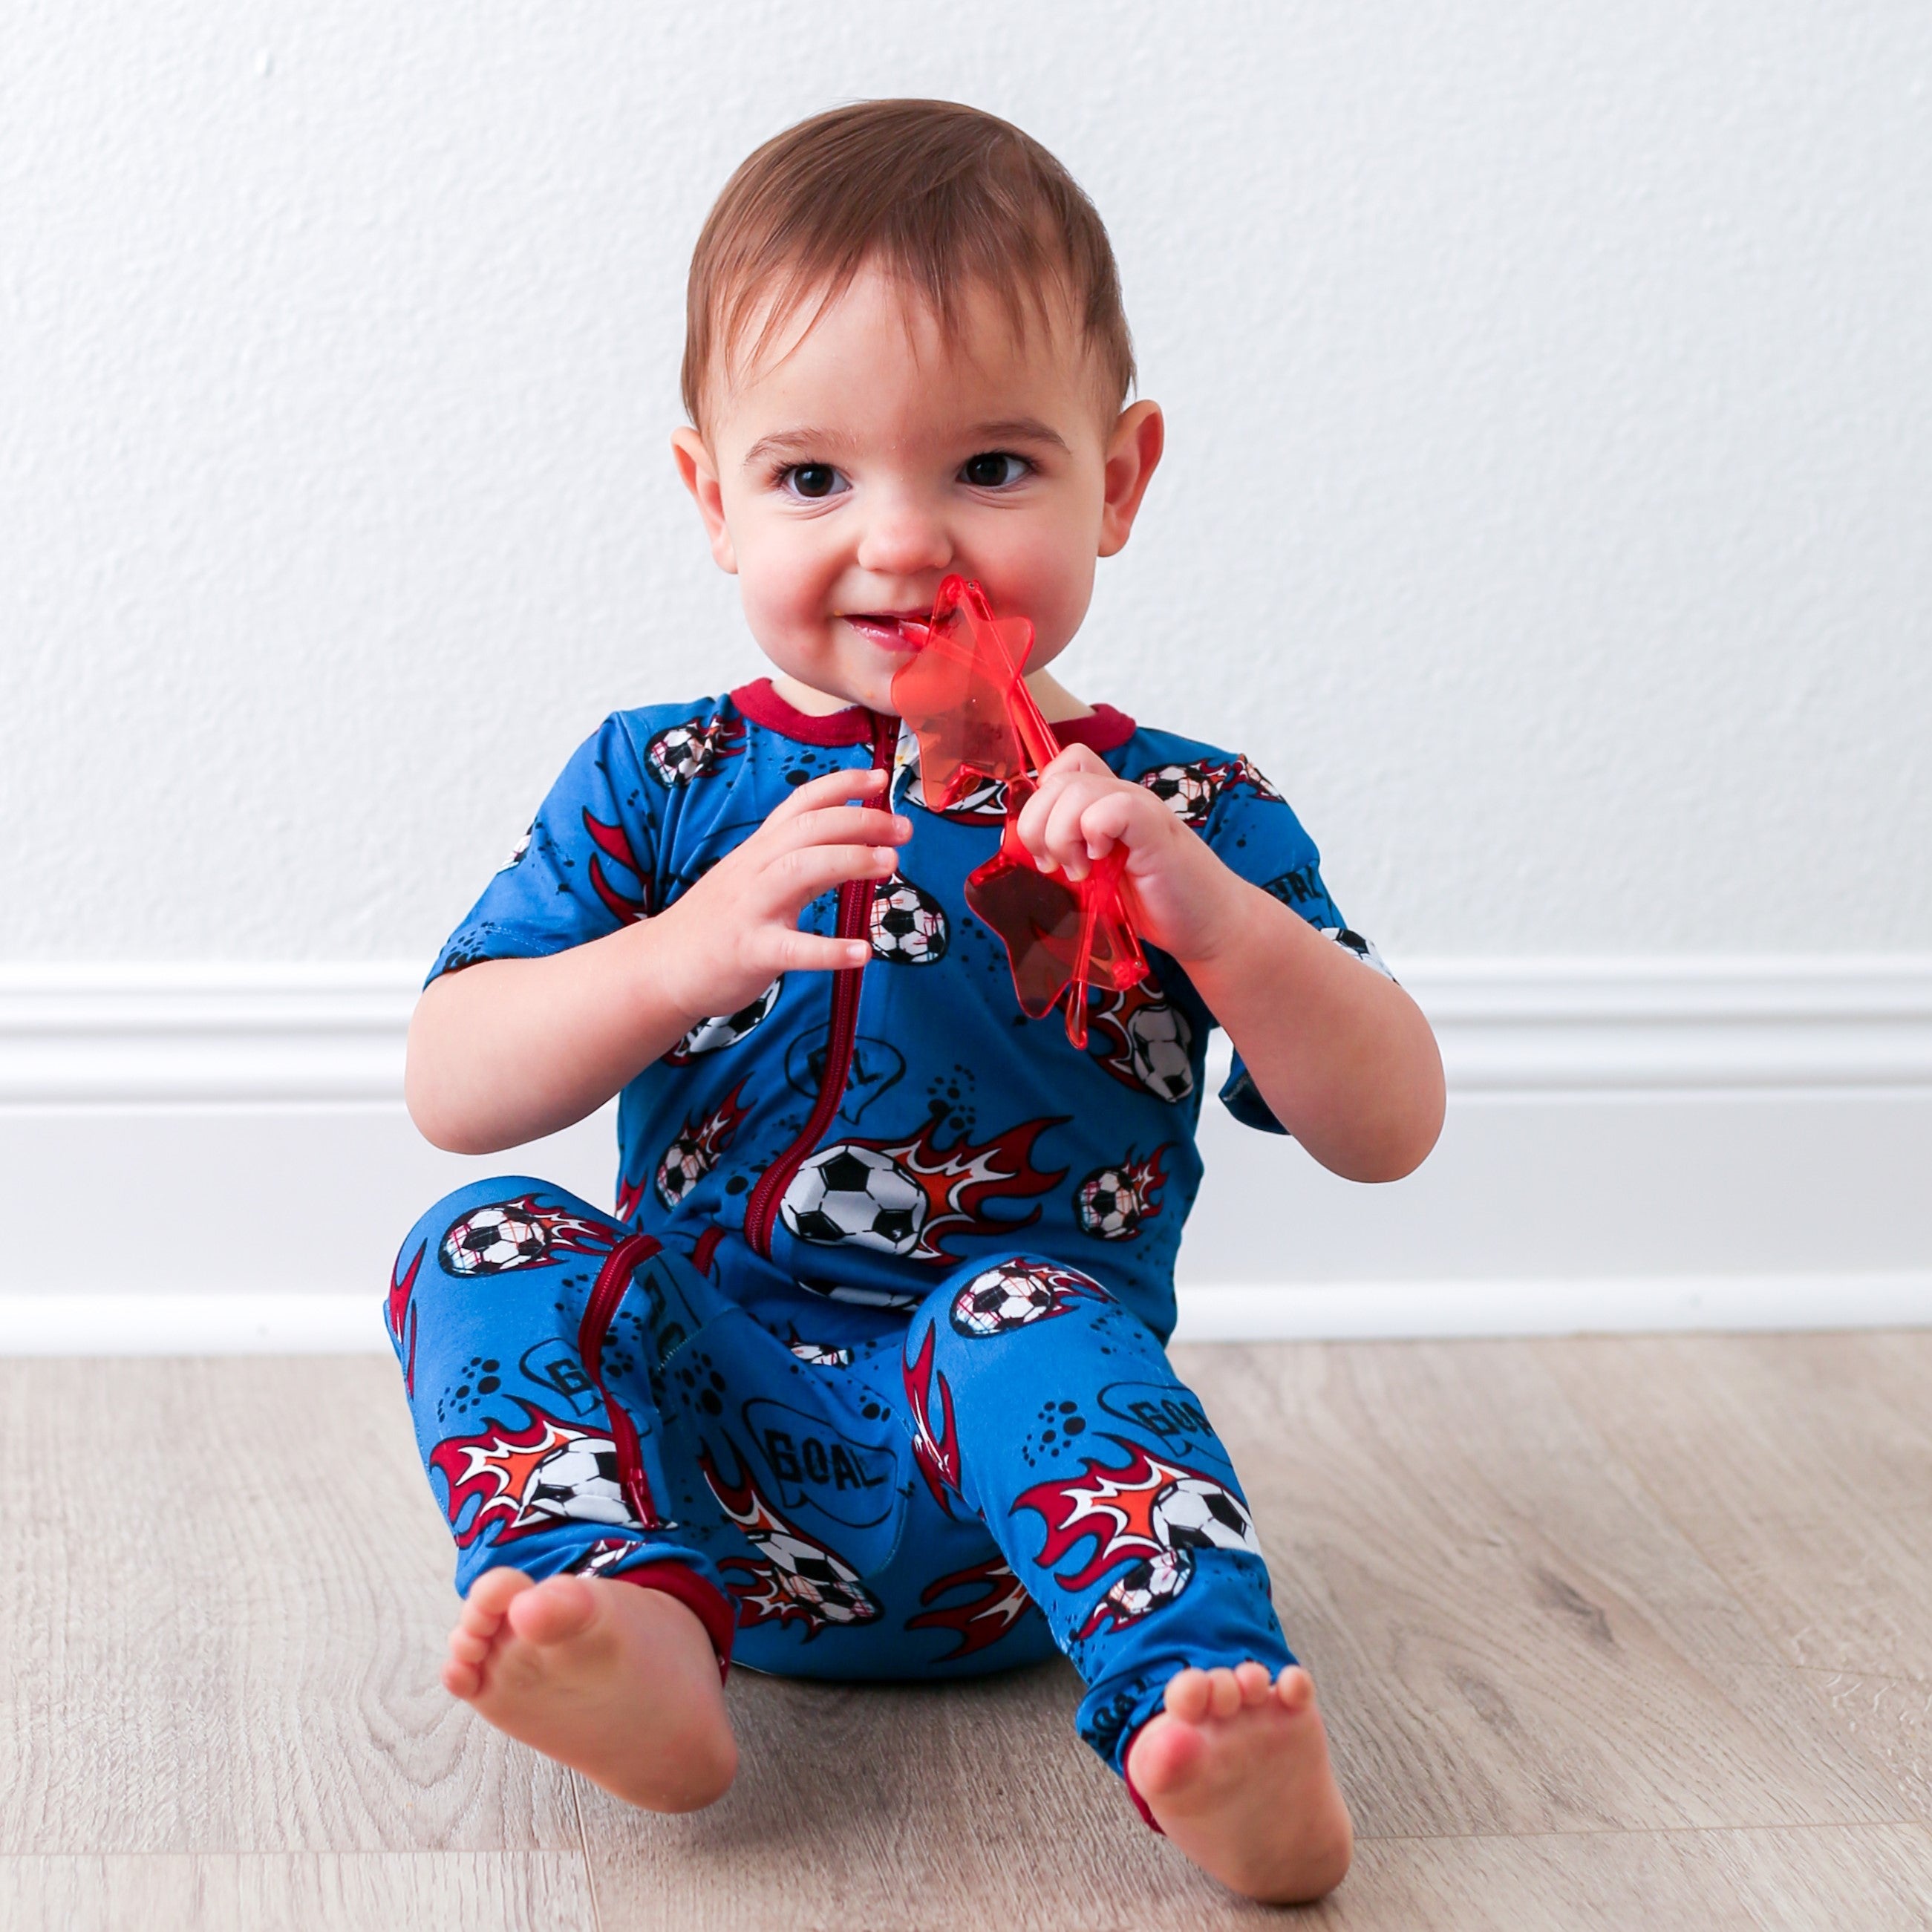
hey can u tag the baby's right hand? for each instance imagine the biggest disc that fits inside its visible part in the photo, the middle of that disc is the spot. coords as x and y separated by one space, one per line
736 929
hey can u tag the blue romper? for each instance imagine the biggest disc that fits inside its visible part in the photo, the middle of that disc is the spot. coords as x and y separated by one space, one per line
866 1365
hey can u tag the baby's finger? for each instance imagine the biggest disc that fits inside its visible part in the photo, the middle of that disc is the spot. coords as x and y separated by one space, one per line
1063 835
1038 809
801 874
815 953
1107 819
817 792
845 825
1072 758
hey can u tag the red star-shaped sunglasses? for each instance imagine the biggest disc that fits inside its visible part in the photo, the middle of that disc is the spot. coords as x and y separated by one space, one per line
964 693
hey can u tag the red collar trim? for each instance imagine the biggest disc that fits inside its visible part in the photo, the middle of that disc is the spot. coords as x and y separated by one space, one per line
762 706
1106 730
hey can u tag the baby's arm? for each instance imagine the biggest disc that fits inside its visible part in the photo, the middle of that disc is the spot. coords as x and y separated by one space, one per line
1342 1055
509 1049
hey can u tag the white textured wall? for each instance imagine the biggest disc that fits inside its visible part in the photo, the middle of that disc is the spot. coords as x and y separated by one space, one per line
1549 504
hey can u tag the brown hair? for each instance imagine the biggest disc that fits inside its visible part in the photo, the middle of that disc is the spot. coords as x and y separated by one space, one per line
945 197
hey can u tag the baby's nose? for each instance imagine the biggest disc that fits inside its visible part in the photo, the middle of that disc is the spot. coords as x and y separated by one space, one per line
904 541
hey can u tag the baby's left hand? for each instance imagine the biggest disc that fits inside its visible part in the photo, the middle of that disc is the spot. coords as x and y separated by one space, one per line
1182 897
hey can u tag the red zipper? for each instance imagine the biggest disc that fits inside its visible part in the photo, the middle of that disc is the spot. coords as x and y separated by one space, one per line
614 1279
855 921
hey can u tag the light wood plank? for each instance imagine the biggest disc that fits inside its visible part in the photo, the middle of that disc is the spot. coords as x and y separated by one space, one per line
1517 1570
1800 1465
1890 1719
890 1806
225 1597
426 1892
1509 1635
1837 1878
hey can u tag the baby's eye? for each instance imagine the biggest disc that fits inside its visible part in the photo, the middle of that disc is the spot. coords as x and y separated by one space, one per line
994 469
812 480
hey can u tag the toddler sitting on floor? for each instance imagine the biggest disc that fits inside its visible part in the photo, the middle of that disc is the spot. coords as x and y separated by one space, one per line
864 1376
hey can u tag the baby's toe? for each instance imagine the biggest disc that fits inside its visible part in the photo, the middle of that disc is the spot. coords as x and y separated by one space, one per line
468 1646
1187 1694
1295 1689
460 1679
1224 1693
490 1596
557 1610
1255 1682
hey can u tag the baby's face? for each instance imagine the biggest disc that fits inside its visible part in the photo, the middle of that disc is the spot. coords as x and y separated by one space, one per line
864 458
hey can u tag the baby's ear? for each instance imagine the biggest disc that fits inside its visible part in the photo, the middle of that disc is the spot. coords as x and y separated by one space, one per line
1133 453
700 475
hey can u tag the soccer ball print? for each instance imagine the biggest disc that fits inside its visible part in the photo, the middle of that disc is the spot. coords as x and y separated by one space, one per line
908 924
685 1163
1146 1041
541 1476
854 1195
580 1483
494 1239
1014 1294
1197 1513
1191 791
1188 791
1364 949
724 1030
1152 1582
1148 1512
1160 1040
682 752
822 1354
506 1235
1112 1202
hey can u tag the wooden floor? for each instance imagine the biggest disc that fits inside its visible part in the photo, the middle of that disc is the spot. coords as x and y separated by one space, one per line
1610 1633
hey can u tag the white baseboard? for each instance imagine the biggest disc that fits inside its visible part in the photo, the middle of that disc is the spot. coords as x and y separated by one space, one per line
305 1035
216 1158
180 1322
1608 1305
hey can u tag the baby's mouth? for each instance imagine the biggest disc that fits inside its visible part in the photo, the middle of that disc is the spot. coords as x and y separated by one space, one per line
890 630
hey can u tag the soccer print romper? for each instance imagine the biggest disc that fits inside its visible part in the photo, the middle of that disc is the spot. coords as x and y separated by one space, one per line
865 1364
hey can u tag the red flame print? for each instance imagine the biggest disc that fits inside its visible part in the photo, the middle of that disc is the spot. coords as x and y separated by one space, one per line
502 1467
1113 1506
699 1143
935 1445
957 1179
980 1620
402 1316
611 840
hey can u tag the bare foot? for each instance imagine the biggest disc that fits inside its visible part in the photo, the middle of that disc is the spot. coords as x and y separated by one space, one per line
620 1683
1236 1769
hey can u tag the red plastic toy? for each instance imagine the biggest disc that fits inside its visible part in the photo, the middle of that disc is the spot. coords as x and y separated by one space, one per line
963 694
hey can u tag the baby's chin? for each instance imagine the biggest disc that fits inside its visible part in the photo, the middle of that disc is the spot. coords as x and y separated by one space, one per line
860 673
821 696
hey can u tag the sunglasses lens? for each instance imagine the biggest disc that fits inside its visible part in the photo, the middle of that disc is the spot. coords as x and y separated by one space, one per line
1041 917
962 693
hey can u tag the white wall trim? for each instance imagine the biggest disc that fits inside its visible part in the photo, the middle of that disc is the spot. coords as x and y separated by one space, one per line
207 1035
180 1322
194 1035
183 1323
216 1158
1603 1305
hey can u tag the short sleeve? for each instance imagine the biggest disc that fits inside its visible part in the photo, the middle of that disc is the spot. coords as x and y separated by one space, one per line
585 868
1255 833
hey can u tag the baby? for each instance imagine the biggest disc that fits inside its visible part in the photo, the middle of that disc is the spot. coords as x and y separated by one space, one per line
864 1379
